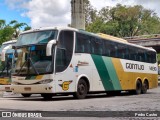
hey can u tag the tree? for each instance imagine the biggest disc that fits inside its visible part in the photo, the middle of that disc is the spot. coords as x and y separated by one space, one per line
11 30
90 13
17 27
6 34
97 26
124 21
128 19
2 24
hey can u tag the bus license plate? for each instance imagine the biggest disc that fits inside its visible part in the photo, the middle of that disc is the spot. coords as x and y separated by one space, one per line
7 88
27 88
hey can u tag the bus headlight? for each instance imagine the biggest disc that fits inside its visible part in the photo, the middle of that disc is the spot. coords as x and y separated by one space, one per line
14 83
45 81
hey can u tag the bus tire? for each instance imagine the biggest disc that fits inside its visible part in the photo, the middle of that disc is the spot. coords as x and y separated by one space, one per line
145 86
26 95
82 89
138 87
47 96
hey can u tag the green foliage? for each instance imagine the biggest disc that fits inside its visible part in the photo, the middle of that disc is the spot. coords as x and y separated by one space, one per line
158 57
96 26
11 30
90 12
6 34
124 21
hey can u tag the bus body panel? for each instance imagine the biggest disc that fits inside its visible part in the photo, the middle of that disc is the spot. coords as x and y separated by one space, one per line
41 88
103 73
129 76
32 84
114 77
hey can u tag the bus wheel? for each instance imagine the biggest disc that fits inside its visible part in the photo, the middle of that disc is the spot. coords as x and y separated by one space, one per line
145 87
82 89
47 96
26 95
138 87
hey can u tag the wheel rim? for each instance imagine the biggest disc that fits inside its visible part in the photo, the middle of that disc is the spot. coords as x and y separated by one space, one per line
81 89
138 87
145 86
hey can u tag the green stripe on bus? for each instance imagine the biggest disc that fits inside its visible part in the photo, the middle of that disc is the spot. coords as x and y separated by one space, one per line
112 73
103 72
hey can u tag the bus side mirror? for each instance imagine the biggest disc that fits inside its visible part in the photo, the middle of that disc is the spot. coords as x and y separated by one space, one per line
49 47
3 54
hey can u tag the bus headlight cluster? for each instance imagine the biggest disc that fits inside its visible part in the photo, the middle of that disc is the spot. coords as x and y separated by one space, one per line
14 83
45 81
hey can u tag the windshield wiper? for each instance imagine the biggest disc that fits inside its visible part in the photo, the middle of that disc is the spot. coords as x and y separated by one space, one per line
33 66
28 61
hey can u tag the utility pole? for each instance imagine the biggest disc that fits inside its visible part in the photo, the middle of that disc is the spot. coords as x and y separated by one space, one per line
78 15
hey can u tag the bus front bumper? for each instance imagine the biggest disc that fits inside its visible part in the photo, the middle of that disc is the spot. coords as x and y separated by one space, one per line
42 88
6 88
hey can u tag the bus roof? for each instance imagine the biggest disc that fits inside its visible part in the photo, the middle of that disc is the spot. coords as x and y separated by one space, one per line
112 37
49 28
9 42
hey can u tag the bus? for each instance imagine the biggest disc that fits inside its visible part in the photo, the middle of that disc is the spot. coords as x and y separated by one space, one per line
56 60
6 55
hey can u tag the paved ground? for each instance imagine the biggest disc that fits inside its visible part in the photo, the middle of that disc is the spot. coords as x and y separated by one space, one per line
124 102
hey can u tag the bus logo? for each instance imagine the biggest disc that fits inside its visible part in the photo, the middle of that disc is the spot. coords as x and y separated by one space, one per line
6 114
65 85
134 66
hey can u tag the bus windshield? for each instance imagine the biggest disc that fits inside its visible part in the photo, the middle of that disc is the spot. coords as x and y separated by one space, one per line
5 66
32 60
38 37
13 42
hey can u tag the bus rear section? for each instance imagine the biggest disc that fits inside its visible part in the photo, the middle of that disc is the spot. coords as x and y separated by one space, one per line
126 75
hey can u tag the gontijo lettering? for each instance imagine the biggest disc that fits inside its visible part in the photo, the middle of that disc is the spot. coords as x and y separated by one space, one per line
134 66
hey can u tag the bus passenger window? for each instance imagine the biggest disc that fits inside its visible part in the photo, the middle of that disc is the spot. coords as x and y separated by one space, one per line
64 50
82 43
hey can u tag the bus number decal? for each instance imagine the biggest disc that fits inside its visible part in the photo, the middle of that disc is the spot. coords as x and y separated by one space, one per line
152 68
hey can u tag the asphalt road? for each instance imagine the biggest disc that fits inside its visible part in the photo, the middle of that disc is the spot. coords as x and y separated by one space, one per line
124 102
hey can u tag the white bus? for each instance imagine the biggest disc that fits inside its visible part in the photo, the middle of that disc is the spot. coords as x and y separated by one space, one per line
6 56
51 61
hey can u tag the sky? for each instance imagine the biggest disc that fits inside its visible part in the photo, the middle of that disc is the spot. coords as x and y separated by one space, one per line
40 13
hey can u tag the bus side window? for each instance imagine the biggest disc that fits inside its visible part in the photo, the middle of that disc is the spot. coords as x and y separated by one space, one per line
126 53
97 46
113 49
141 55
107 50
82 43
131 54
64 50
145 56
153 56
121 51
